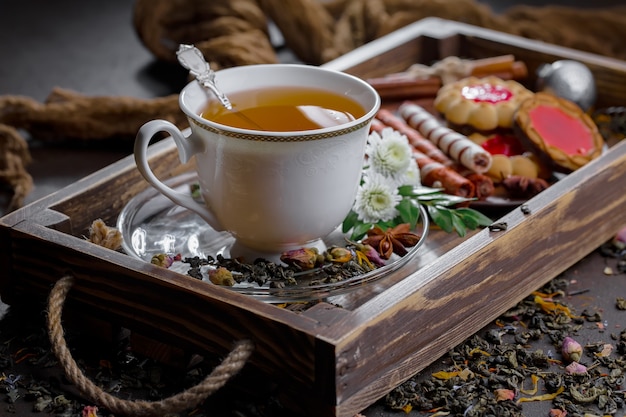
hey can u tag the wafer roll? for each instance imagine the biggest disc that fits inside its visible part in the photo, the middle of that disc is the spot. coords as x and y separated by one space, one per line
452 143
415 138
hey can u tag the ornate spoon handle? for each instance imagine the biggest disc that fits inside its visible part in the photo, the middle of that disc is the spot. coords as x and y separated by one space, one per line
192 59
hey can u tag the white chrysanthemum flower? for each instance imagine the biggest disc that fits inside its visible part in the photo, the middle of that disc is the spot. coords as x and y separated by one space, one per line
389 154
376 199
413 175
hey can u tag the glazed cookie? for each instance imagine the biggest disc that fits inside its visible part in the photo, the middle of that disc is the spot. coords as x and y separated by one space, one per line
558 130
482 103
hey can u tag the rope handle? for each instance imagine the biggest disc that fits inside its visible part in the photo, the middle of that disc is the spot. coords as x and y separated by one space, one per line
185 400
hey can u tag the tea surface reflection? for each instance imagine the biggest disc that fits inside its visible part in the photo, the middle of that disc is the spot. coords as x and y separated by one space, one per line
286 109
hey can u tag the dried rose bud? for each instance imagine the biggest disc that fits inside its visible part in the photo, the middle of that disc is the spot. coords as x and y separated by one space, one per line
557 412
575 368
503 394
571 349
221 276
371 254
304 258
90 411
338 254
620 239
162 259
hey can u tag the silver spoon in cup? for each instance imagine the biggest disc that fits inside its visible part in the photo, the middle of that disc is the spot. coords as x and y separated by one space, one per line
192 59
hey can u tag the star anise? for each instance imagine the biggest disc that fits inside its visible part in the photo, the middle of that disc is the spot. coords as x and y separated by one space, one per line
394 240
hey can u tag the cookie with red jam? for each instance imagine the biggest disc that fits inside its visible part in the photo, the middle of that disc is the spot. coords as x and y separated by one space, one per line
481 103
559 131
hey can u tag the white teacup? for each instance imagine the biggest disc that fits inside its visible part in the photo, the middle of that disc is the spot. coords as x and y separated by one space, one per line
273 191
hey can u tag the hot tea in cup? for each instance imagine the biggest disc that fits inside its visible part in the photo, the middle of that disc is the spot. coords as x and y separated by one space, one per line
279 170
289 109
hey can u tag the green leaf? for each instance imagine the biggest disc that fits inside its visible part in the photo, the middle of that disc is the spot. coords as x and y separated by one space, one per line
409 212
469 220
442 217
459 225
445 199
406 191
360 230
473 217
350 221
419 191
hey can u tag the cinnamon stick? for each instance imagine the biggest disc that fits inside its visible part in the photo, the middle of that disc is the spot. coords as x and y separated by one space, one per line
406 85
516 71
400 86
502 63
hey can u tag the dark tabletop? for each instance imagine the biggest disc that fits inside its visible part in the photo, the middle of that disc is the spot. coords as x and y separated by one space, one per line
91 47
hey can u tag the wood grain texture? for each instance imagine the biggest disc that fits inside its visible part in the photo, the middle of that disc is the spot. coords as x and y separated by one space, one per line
335 360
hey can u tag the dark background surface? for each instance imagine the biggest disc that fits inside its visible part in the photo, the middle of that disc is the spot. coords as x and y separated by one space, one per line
91 47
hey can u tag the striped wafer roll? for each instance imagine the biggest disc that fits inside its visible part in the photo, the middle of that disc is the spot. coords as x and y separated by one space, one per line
415 138
454 144
435 174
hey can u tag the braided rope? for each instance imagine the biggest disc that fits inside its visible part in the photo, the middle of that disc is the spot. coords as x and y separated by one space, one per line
188 399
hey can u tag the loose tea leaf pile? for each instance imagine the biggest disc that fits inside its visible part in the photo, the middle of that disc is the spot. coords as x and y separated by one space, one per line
492 374
263 272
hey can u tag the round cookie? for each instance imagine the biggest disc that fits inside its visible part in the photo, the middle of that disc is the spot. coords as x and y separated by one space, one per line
558 130
482 103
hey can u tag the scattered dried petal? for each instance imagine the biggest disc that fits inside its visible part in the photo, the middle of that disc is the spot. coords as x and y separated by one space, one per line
503 394
551 307
445 375
535 380
543 397
466 374
606 351
557 412
576 368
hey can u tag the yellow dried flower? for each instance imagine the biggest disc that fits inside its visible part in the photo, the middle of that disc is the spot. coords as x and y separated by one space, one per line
221 276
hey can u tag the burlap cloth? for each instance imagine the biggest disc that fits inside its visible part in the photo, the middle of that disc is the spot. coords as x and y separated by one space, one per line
234 32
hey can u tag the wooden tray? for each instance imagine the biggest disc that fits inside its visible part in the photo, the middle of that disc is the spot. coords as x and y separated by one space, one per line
334 361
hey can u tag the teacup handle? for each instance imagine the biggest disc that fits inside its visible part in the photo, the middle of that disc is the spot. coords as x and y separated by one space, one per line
187 147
